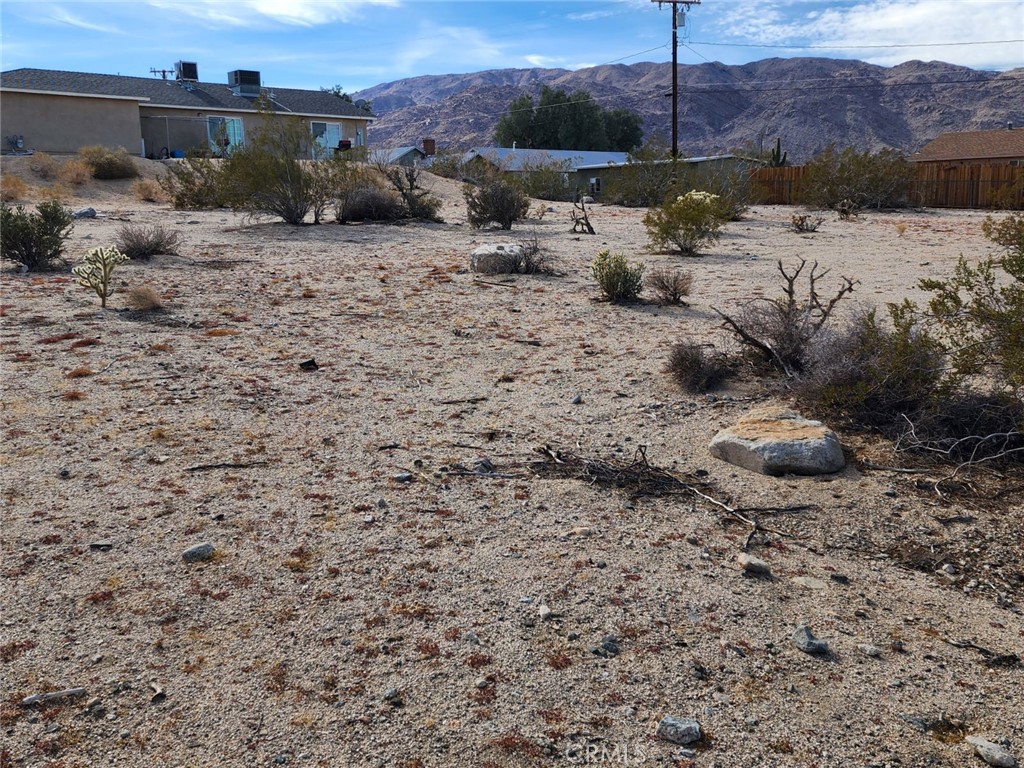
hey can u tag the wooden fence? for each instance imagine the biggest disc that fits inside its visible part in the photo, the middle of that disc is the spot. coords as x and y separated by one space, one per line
933 185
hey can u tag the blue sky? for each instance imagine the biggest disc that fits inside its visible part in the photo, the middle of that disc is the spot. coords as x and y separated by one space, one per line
360 43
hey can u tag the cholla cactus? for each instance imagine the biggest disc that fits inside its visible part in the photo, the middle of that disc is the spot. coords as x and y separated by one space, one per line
96 270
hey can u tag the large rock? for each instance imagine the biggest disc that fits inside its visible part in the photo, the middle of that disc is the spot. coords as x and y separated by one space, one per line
497 258
777 441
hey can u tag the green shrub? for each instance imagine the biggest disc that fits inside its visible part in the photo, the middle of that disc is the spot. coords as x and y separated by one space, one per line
546 180
693 370
687 222
109 163
646 180
868 180
448 165
35 240
618 281
141 242
196 183
95 271
496 201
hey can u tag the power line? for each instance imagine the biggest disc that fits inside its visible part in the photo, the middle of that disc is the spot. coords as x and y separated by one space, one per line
855 47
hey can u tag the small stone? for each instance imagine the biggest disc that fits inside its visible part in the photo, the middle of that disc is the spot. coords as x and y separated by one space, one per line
393 697
404 477
753 566
472 638
678 730
545 613
65 474
809 582
578 400
101 546
482 682
949 569
993 754
199 553
807 642
870 650
608 648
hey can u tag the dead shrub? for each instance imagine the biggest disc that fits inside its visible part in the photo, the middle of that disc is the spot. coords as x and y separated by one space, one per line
75 172
805 222
139 242
670 286
45 166
693 370
58 193
142 298
107 163
148 191
370 204
12 189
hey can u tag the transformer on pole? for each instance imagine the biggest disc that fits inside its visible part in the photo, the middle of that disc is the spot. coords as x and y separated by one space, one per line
676 13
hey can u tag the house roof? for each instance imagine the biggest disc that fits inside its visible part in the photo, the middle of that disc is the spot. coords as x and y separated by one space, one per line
518 159
391 156
973 145
176 94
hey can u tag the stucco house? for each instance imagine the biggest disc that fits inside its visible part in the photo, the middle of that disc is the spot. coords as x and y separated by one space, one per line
155 117
999 147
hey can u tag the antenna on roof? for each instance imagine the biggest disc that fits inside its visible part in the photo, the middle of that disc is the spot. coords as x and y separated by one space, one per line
162 72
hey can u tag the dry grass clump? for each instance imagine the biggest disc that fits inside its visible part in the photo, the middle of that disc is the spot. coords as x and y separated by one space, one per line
694 370
141 242
44 166
805 222
107 163
55 192
12 189
142 298
75 172
148 191
669 286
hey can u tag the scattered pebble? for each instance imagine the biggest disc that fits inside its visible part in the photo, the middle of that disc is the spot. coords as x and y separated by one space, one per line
870 650
991 753
578 400
198 553
753 566
809 582
807 642
393 697
101 546
608 647
404 477
545 613
678 730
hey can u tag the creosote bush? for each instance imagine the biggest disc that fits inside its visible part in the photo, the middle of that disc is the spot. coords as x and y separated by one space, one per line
619 282
148 190
407 181
195 183
694 370
370 203
35 240
495 201
141 242
107 163
670 286
866 179
688 222
96 270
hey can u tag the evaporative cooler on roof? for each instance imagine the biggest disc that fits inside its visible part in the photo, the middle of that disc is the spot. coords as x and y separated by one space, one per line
186 70
244 82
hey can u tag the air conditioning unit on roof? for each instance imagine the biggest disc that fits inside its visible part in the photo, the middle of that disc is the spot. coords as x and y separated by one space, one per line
244 82
186 70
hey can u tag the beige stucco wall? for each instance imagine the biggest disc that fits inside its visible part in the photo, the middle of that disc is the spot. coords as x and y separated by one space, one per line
65 123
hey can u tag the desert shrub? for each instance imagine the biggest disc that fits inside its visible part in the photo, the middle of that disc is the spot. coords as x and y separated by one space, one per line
109 163
688 222
35 240
96 270
869 180
618 281
148 190
981 312
535 260
731 185
546 180
45 166
805 222
141 242
55 193
670 286
75 172
196 183
406 180
12 188
645 181
447 164
142 298
694 370
496 201
369 203
1009 197
778 332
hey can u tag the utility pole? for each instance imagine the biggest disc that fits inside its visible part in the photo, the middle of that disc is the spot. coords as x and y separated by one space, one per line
676 12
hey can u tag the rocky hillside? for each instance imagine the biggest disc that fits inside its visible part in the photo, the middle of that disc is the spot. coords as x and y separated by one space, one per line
809 102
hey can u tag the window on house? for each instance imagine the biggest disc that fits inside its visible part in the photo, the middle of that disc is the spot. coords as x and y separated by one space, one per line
595 185
325 136
359 137
224 133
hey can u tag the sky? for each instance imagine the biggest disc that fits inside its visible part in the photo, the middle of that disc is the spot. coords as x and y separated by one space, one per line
360 43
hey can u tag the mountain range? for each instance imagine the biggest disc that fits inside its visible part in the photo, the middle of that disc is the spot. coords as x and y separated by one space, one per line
807 102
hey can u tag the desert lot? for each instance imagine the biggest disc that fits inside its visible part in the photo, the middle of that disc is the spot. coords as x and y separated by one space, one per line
395 579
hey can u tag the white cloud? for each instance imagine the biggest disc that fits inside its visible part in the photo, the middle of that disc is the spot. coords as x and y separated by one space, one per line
253 13
448 48
537 60
847 27
63 16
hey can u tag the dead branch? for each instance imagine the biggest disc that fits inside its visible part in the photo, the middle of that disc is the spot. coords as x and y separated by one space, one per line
225 465
581 219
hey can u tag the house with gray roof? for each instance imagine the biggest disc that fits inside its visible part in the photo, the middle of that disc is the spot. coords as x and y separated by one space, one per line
155 117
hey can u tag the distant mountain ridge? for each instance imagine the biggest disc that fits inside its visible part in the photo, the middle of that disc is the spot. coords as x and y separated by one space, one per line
808 102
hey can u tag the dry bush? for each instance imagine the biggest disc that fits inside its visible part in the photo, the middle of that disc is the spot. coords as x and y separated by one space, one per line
694 370
12 189
142 298
670 286
148 191
141 242
495 201
58 193
370 204
805 222
44 166
107 163
75 172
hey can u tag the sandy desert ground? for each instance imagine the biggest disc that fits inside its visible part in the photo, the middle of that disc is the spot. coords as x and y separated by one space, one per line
378 597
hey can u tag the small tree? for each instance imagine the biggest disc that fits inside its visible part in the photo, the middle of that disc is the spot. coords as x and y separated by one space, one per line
495 200
688 222
35 240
